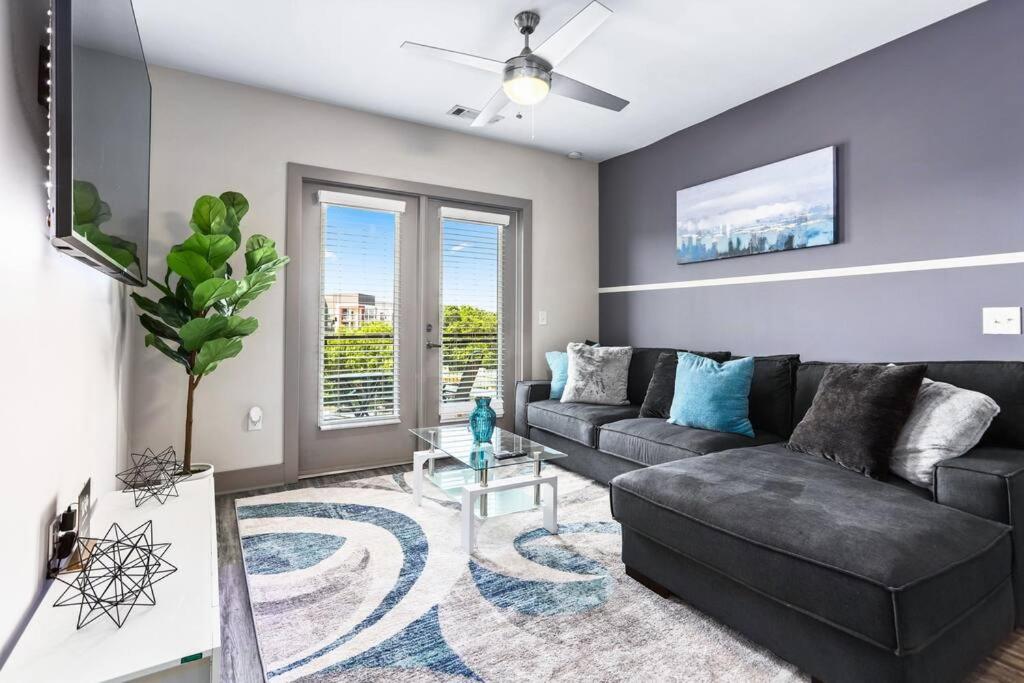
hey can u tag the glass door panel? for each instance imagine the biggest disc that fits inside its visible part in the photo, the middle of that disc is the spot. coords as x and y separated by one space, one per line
359 353
471 313
471 310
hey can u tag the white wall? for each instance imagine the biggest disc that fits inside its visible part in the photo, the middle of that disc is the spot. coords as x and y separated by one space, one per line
210 136
62 340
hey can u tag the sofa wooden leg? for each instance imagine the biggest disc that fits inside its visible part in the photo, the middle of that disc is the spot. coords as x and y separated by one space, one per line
647 582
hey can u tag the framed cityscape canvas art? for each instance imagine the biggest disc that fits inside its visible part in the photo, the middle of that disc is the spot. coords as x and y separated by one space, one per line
790 204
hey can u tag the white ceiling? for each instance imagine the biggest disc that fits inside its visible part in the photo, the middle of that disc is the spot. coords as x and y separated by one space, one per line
678 61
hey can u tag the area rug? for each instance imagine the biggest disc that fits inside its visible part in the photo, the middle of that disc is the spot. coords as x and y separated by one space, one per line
356 583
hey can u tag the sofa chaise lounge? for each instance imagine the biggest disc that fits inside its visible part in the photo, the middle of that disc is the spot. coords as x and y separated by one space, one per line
849 578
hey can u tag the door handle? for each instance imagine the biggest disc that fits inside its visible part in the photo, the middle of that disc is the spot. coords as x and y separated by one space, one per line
433 345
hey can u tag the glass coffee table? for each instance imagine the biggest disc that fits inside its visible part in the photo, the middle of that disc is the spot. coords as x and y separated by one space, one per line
496 478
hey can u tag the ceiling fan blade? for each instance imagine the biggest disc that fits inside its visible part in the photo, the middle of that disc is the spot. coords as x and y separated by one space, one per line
573 89
492 65
562 42
493 107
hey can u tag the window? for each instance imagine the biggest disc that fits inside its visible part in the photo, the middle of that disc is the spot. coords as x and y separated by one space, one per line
471 311
359 284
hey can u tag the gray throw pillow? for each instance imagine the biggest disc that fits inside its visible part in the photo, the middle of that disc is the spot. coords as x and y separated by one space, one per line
946 422
597 374
857 415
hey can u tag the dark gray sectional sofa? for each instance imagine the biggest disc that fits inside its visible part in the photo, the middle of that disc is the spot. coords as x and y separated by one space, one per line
850 578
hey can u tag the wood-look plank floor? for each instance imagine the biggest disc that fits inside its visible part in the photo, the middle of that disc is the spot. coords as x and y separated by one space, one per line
240 661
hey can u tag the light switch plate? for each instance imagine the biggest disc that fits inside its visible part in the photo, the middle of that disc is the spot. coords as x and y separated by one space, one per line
1000 320
542 318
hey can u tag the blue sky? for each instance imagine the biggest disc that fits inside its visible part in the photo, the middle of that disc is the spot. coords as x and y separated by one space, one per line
470 264
360 244
359 248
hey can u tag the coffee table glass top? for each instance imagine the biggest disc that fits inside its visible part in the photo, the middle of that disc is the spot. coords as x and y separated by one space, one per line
457 441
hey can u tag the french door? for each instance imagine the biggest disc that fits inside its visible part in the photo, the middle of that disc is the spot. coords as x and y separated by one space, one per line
408 314
469 311
358 316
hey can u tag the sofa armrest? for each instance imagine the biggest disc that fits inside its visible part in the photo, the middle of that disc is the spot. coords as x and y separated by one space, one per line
528 391
989 483
985 482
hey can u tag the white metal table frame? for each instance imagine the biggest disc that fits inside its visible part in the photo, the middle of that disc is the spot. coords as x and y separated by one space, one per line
545 493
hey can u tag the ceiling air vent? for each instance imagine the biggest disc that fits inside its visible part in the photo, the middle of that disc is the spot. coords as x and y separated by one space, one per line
461 112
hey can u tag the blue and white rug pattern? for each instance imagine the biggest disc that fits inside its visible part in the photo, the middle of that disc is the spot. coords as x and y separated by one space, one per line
355 583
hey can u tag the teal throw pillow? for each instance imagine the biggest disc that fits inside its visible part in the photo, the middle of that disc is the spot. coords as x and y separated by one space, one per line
558 361
714 396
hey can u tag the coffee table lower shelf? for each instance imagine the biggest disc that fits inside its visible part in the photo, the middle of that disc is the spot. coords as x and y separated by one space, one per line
482 495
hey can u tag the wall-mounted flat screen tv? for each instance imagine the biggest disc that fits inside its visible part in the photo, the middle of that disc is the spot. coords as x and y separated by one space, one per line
100 99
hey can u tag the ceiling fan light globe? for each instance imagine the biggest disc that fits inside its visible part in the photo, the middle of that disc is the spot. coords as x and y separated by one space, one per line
527 79
526 90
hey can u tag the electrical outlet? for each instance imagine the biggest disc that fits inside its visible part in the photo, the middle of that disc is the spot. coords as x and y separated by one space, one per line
1000 320
85 508
542 318
255 419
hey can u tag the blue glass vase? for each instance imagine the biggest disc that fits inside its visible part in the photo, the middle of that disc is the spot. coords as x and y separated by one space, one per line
482 419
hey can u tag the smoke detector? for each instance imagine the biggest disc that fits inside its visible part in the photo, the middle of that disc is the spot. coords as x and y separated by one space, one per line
575 156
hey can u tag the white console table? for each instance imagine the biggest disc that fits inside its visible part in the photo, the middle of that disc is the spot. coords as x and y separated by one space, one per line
176 640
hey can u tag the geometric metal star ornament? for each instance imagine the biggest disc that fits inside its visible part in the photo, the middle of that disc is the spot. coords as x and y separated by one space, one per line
118 573
153 475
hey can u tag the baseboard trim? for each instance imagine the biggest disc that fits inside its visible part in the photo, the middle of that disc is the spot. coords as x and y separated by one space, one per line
233 481
248 478
360 468
1003 259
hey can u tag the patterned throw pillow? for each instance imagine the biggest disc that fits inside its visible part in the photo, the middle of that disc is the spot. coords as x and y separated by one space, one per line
946 422
558 362
598 374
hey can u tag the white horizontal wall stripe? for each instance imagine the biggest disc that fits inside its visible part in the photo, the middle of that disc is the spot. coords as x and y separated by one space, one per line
878 269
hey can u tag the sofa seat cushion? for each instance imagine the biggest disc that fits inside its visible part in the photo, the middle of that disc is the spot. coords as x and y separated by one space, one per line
576 421
653 441
866 557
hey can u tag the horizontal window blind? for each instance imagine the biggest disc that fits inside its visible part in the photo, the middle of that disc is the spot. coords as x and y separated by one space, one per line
475 216
472 352
359 292
360 201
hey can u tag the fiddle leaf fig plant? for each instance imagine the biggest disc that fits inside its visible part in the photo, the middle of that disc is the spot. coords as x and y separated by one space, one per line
197 321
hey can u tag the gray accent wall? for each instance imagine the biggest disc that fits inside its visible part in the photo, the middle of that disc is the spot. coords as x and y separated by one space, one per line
930 135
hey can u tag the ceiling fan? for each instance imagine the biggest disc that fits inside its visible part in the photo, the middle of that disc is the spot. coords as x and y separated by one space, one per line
529 76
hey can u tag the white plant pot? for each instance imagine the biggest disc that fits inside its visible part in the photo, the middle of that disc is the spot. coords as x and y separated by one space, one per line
205 470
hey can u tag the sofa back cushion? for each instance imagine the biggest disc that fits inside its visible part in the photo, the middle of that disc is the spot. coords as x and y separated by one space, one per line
1003 381
771 393
641 368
